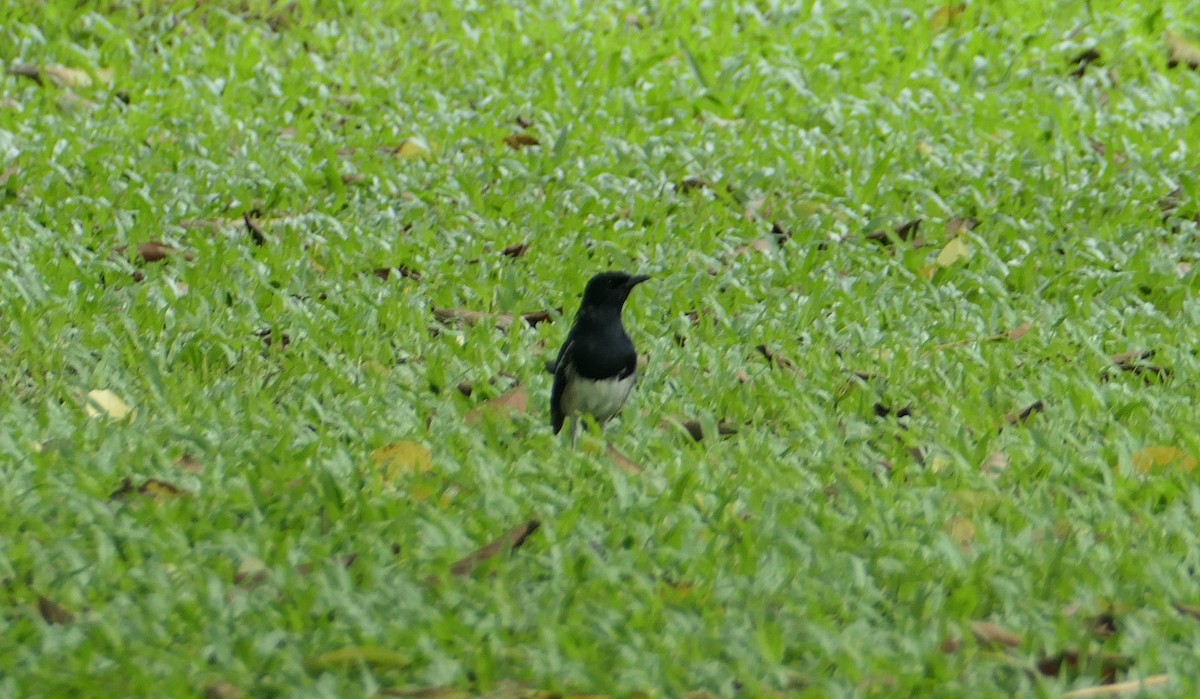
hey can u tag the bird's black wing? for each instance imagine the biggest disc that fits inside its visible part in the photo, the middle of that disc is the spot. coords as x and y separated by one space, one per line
561 367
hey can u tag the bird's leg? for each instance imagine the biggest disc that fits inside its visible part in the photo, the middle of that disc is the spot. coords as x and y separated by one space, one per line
575 425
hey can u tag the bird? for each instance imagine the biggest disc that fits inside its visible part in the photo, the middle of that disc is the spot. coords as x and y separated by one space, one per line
597 366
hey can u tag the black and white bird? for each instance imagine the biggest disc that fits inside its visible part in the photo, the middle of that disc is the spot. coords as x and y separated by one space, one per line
597 365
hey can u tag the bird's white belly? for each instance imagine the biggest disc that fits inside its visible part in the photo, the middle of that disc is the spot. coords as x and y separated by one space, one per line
600 399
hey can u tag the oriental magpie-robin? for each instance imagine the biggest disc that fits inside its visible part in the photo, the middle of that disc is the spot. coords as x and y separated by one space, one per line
597 365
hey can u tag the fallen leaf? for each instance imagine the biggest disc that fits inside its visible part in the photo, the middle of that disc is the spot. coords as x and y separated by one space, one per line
1180 50
105 403
992 635
222 690
411 148
429 693
402 271
955 251
254 229
513 402
341 561
905 232
401 458
53 613
188 462
1152 458
353 657
251 572
155 251
995 464
959 225
1071 664
61 75
503 321
692 184
1133 688
962 531
1132 362
1191 610
945 15
510 541
741 376
623 462
775 358
1082 60
882 410
268 337
515 250
1018 332
1021 417
153 489
1102 625
519 140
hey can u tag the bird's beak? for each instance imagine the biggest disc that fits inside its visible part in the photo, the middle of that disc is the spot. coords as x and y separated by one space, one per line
636 279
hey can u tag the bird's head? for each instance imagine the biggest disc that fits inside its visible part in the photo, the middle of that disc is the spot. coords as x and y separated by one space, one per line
610 289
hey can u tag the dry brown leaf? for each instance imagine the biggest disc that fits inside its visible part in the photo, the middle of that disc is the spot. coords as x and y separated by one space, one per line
152 489
341 561
775 358
692 184
251 572
992 635
510 541
1018 332
1082 60
254 228
1132 362
428 693
515 250
267 335
995 464
54 613
514 402
402 271
1180 50
623 462
503 321
959 224
1029 411
945 15
222 690
905 232
1160 457
188 462
1071 664
519 140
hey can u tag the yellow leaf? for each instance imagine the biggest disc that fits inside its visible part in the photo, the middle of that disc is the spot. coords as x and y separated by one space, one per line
105 403
961 530
73 77
512 403
400 458
945 15
955 251
354 656
1152 458
411 148
1180 50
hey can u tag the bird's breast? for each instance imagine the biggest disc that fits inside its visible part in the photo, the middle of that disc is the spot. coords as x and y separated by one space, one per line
601 398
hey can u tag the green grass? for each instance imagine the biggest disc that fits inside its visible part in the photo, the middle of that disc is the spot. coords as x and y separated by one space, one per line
785 559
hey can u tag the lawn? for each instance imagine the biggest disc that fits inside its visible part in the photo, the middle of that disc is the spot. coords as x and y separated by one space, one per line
917 416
